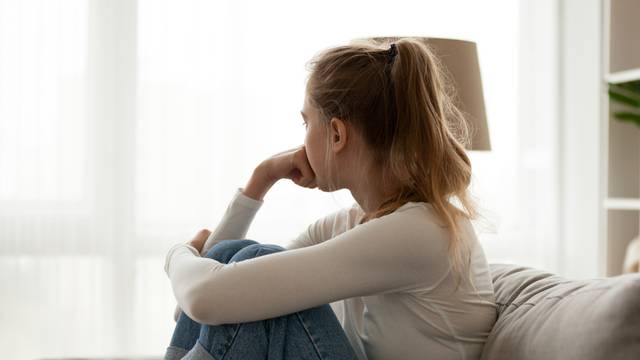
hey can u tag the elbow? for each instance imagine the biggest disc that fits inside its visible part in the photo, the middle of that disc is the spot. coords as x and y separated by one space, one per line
176 313
204 316
201 298
202 310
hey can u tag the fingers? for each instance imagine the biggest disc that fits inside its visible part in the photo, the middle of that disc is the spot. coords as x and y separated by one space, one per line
204 233
199 240
302 162
201 236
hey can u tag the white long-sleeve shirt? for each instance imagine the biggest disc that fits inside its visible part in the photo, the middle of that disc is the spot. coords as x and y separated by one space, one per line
388 280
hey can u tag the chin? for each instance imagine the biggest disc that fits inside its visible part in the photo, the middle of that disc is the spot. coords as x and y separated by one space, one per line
326 187
321 185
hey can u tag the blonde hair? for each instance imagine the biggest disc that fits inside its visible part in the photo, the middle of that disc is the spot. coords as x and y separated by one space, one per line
404 110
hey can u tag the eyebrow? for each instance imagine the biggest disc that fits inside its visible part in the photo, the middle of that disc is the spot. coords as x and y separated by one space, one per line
303 115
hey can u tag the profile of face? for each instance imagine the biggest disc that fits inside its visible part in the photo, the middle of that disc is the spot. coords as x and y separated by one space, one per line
329 157
315 142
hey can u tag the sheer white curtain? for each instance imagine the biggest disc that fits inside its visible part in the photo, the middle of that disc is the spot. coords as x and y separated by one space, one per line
126 126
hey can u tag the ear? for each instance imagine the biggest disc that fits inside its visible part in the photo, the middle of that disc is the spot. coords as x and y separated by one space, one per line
338 134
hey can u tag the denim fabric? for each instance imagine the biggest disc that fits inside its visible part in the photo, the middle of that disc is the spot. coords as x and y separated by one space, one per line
314 333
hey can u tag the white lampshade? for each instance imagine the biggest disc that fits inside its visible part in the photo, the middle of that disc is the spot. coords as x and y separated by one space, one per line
460 58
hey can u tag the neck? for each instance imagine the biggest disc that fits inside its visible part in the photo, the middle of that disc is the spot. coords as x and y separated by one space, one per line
370 195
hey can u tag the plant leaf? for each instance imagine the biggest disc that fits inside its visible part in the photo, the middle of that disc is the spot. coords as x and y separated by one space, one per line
623 99
632 86
630 89
628 117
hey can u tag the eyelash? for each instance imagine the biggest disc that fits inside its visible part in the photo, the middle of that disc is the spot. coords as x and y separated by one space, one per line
304 123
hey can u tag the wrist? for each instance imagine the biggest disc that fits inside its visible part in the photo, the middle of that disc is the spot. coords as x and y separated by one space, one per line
259 184
263 173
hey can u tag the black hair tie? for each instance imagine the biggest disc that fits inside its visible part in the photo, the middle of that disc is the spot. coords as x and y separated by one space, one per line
392 52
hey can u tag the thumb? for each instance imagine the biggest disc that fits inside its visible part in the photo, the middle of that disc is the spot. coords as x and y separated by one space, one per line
295 175
307 176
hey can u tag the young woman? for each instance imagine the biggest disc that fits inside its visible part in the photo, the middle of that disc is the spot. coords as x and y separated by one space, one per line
402 265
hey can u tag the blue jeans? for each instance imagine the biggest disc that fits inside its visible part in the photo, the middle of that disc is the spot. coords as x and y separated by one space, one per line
313 333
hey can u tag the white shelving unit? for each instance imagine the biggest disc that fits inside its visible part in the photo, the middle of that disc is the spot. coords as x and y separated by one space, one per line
620 193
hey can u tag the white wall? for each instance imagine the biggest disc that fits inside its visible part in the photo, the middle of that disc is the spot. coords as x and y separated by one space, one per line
580 69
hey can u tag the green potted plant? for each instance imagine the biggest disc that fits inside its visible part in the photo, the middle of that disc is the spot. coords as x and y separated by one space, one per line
627 94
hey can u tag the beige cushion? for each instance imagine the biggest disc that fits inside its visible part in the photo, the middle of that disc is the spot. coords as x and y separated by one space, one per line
544 316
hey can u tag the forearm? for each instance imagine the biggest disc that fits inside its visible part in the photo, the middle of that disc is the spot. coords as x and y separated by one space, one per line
242 209
259 183
185 269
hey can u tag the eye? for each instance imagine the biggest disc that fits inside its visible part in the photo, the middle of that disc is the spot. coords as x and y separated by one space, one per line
304 123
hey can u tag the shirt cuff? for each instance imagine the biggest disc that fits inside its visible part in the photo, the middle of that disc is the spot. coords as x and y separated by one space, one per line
246 201
172 251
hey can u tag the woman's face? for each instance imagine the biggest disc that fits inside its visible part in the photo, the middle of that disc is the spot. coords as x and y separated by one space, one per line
315 142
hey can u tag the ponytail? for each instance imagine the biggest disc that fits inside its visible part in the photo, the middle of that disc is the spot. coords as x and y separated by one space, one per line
405 111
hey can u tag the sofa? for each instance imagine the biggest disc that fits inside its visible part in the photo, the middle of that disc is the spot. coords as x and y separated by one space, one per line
544 316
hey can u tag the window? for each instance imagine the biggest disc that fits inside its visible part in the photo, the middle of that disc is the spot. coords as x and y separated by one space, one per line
126 126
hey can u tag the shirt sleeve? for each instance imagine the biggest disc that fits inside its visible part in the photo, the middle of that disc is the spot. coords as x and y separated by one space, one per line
236 220
397 252
325 227
315 233
234 224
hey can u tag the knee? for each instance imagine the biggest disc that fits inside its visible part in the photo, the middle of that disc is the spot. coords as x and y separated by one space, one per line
256 250
226 248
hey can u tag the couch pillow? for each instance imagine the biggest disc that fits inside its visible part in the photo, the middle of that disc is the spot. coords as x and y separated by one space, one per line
544 316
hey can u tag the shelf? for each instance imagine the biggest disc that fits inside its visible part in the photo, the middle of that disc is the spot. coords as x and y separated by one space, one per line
622 204
620 151
623 76
624 52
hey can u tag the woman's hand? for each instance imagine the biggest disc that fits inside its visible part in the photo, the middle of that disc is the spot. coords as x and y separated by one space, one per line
199 240
291 164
